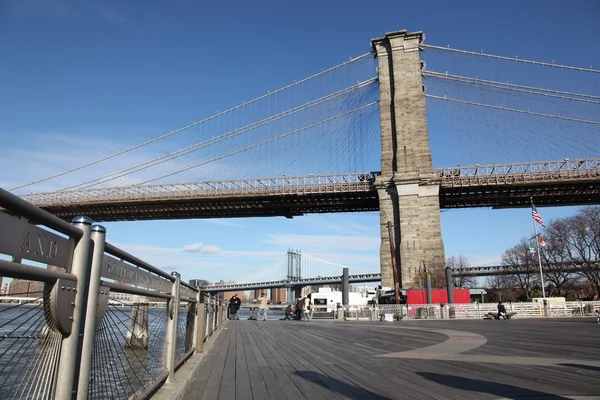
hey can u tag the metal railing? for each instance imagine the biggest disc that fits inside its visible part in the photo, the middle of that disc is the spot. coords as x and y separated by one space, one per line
470 310
527 172
67 340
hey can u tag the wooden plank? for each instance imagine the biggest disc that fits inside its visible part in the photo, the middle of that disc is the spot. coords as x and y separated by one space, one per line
334 359
243 390
277 388
228 382
205 384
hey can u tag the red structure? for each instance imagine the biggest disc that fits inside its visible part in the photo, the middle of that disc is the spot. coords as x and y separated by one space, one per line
415 296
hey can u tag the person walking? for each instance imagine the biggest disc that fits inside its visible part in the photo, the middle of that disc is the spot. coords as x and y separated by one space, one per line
263 306
306 308
299 305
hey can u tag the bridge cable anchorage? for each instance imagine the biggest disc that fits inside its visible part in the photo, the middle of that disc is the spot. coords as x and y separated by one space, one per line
516 59
256 144
558 94
209 142
171 133
583 121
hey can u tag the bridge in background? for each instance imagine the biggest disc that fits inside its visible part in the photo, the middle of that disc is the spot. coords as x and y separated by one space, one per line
317 129
296 265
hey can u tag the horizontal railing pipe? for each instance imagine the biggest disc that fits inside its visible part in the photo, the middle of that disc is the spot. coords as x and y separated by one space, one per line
22 271
115 251
17 205
132 290
187 285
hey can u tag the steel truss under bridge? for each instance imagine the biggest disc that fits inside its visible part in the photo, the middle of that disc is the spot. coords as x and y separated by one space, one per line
565 182
328 280
526 269
491 270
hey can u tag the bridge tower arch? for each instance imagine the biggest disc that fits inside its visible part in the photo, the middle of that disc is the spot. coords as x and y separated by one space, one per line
408 188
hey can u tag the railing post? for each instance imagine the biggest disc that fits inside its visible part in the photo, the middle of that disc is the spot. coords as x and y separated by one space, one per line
216 311
98 237
200 315
172 313
70 350
215 316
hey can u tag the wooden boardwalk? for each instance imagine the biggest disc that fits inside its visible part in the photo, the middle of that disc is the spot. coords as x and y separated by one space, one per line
476 359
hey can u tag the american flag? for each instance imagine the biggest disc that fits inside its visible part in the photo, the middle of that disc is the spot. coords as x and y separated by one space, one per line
536 215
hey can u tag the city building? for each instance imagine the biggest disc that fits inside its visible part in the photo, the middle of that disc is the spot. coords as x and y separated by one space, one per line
198 283
279 295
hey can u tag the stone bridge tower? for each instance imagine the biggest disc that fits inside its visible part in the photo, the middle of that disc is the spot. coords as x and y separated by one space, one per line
408 189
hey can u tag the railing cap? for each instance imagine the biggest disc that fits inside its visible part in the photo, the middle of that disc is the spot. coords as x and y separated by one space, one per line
98 228
82 220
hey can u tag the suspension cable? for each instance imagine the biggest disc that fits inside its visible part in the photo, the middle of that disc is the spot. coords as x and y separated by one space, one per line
219 114
513 110
516 59
209 142
517 88
273 139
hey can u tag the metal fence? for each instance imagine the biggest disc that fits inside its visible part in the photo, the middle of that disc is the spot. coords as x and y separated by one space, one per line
471 310
97 322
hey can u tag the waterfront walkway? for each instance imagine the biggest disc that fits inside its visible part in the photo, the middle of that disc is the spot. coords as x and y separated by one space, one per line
474 359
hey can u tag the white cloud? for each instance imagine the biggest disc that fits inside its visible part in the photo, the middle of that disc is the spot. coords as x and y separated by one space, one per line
199 248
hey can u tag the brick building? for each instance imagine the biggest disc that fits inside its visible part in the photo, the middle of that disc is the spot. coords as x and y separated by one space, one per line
279 295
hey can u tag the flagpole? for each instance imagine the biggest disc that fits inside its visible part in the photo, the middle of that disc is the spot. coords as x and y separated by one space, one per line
537 240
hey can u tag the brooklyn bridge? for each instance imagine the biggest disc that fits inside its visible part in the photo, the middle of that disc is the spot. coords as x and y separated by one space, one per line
363 136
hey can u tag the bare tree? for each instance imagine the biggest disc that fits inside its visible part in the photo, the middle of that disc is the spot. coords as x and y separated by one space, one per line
572 243
522 259
554 256
437 274
501 288
458 264
584 244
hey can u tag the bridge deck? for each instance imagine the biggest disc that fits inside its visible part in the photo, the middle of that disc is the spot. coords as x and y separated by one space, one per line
332 360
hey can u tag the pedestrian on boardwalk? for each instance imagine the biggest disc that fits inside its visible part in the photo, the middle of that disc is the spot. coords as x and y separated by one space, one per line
234 306
263 306
299 305
306 308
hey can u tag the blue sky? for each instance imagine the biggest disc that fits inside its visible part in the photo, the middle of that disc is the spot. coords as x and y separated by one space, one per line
78 80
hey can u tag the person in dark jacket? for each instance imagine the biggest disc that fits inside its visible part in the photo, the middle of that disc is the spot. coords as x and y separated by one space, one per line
502 311
289 312
234 306
299 304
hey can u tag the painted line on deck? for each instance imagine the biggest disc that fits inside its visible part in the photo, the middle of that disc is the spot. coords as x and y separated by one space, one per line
460 342
457 342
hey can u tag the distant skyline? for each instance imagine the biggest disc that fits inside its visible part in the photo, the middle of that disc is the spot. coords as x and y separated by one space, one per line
87 79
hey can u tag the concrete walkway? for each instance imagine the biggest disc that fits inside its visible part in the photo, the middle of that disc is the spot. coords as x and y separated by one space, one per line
473 359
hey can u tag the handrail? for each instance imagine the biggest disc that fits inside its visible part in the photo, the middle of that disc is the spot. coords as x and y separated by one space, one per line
134 290
115 251
24 271
22 207
187 285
